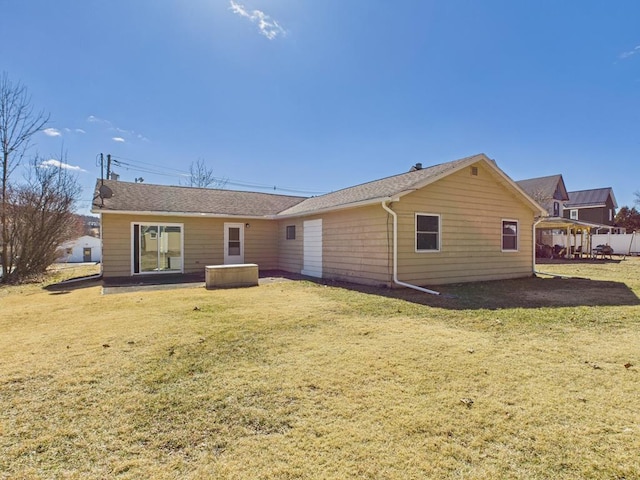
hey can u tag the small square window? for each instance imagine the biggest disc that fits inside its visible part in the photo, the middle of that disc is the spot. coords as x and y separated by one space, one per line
291 232
573 214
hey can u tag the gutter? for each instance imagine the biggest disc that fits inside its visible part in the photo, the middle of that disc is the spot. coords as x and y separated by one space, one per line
395 254
182 214
361 203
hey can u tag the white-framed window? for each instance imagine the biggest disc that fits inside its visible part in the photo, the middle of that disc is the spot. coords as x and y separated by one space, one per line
156 247
510 232
556 209
610 215
573 214
428 235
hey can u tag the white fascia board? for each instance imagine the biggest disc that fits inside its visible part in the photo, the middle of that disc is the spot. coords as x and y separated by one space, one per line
185 214
362 203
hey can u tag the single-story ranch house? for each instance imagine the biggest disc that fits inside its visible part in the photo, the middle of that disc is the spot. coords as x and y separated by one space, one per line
459 221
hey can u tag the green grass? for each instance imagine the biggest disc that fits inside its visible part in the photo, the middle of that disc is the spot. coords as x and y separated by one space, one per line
298 380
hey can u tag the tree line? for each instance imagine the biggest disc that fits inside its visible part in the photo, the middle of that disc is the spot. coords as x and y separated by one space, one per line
629 218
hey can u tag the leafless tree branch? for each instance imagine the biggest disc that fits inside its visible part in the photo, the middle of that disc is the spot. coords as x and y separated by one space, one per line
18 124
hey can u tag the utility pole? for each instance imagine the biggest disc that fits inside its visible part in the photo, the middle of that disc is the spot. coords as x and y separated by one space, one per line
108 166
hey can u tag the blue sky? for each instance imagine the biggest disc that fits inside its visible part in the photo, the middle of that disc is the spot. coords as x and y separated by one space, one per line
312 97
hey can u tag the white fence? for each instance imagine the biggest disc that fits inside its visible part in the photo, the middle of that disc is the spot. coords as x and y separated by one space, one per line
622 243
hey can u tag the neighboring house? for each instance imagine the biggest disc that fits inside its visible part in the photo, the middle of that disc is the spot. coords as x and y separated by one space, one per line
455 222
82 249
550 192
595 206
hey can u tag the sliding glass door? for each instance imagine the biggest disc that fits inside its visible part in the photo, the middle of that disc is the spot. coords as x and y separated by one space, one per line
157 248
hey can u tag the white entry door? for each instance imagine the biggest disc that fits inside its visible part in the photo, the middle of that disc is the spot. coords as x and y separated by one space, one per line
233 243
312 248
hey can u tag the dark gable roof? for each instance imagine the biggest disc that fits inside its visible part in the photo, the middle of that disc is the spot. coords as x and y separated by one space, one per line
140 197
544 188
591 198
378 189
144 197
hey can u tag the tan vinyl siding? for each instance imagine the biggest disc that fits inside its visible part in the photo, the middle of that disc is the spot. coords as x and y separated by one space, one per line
203 242
290 251
471 210
261 244
357 245
116 246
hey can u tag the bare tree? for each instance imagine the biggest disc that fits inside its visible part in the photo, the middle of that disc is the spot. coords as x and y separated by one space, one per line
202 176
41 218
18 123
637 194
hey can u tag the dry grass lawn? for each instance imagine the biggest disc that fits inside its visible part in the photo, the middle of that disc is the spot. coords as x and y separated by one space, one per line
529 379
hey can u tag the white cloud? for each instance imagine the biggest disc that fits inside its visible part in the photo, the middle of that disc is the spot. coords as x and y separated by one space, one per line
52 162
267 26
630 53
79 130
121 133
52 132
94 119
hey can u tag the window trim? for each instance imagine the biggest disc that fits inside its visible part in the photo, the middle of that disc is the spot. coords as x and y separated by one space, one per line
133 247
288 229
439 232
573 214
502 235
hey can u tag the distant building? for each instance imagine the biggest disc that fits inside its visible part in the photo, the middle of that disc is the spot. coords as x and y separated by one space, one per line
82 249
550 192
595 206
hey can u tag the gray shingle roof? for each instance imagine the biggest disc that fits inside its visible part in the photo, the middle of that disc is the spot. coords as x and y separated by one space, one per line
544 188
143 197
386 187
596 196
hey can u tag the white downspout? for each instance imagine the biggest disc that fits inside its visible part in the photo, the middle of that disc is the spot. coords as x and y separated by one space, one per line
395 254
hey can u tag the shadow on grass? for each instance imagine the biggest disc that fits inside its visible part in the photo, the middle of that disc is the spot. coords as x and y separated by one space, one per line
72 284
531 292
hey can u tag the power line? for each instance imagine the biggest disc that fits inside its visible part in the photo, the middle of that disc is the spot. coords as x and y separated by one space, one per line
143 167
